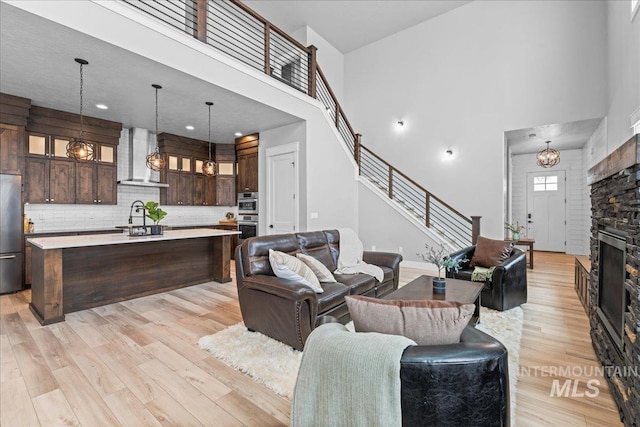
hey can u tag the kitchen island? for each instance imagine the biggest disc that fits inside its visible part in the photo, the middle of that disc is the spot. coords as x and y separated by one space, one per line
72 273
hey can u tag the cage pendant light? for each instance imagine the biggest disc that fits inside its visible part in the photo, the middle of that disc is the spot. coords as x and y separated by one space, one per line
548 157
155 160
209 167
78 148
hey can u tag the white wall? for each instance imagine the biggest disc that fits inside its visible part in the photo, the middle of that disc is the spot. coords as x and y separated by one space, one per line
330 59
398 235
463 78
280 136
571 162
623 61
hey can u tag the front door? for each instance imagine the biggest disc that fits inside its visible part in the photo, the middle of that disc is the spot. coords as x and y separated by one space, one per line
282 186
546 216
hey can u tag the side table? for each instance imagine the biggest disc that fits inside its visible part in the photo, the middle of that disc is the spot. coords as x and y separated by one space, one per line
525 242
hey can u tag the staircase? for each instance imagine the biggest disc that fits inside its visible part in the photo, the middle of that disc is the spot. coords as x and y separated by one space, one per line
232 28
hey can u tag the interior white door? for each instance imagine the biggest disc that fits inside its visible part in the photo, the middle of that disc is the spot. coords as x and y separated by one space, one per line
546 210
282 187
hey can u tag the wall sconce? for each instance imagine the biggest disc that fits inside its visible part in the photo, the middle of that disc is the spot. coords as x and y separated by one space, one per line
448 155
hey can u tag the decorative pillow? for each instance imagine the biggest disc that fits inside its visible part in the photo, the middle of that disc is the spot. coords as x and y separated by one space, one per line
322 273
427 322
490 253
289 267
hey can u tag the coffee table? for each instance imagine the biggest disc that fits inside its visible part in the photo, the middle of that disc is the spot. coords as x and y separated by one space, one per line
457 290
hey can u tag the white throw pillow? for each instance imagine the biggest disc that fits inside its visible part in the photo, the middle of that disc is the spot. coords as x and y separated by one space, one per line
322 273
289 267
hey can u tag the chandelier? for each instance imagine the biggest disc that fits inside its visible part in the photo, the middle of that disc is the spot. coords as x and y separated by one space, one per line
78 148
548 157
209 167
155 160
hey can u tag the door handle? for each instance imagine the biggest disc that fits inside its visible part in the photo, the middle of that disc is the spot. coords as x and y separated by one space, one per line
7 257
271 226
530 222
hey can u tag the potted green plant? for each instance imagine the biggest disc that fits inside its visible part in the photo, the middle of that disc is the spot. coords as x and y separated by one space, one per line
514 229
442 261
155 214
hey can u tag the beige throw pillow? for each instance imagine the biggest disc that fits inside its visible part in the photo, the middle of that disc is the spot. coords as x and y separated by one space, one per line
322 273
427 322
289 267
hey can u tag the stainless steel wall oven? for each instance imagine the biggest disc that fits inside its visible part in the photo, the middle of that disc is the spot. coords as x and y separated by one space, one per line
247 203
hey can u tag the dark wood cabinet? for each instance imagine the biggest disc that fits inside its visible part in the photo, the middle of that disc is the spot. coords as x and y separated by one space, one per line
187 184
225 191
247 171
204 190
52 177
49 181
96 183
180 191
247 158
11 149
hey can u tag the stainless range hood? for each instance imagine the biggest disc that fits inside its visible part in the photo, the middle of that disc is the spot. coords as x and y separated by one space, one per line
141 143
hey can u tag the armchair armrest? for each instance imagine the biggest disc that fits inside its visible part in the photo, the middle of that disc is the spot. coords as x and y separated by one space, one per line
466 383
462 254
283 288
385 259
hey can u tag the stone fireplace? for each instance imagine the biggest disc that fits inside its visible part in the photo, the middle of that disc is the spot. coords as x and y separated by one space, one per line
614 311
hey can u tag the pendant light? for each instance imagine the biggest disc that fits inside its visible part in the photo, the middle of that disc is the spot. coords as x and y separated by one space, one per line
77 148
548 157
155 160
209 167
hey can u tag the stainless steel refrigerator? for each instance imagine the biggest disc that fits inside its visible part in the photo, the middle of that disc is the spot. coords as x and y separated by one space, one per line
11 225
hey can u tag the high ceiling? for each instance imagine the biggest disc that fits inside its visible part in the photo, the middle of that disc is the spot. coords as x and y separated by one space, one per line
36 62
351 24
563 136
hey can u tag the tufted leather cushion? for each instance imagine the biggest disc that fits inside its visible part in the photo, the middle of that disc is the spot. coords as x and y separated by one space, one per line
357 283
427 322
332 296
490 253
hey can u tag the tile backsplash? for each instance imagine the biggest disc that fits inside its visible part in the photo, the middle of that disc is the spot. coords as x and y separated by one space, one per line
49 218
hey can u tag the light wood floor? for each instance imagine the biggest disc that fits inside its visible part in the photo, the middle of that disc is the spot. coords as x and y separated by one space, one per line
137 363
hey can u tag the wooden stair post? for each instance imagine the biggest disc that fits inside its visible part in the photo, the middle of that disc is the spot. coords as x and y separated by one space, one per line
475 229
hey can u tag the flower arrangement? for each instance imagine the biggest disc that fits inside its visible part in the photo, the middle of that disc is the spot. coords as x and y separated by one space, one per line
441 259
514 228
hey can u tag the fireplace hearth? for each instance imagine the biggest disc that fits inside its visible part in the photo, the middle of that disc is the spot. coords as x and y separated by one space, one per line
614 311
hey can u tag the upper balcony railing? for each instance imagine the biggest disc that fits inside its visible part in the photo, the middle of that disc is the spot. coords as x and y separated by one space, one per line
236 30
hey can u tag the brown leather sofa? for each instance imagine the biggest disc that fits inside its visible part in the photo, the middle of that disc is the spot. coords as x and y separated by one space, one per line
288 311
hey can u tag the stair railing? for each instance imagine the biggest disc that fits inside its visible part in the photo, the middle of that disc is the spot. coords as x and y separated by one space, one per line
238 31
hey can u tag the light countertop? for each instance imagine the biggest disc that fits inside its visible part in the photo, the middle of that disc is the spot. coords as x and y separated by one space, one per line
61 242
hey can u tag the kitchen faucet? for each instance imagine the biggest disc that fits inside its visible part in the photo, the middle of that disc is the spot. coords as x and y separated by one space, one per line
139 205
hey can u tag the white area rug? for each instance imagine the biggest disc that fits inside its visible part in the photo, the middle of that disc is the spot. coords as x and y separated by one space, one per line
276 365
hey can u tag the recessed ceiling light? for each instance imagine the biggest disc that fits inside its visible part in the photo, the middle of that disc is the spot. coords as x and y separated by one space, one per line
238 134
532 135
102 106
189 127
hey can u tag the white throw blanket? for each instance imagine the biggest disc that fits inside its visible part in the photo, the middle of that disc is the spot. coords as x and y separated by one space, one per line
350 258
349 379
